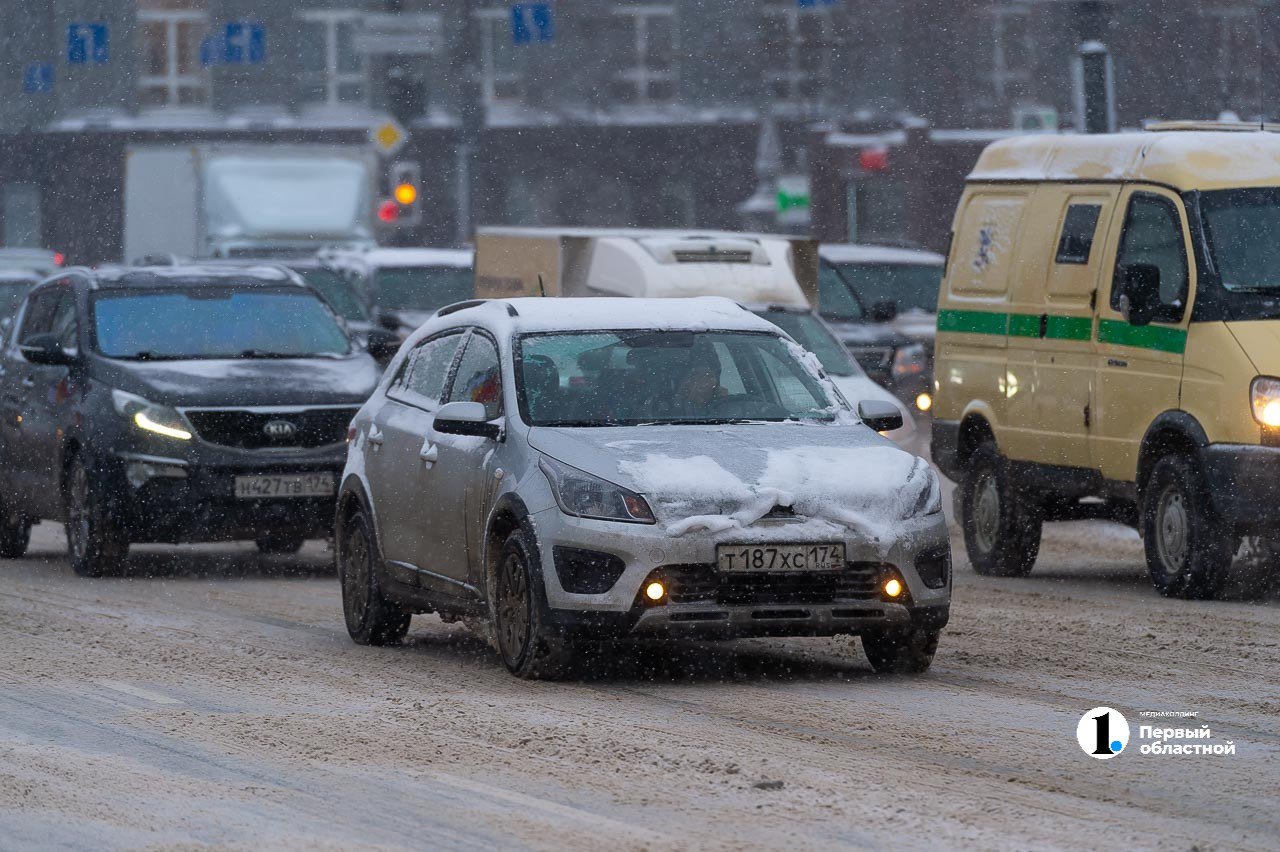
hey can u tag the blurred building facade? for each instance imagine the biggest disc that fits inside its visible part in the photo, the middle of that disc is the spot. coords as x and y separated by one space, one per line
610 112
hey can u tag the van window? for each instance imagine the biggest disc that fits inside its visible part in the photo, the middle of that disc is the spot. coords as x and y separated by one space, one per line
1153 235
1078 227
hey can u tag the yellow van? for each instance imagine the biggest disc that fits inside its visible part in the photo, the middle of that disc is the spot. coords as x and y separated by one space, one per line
1109 345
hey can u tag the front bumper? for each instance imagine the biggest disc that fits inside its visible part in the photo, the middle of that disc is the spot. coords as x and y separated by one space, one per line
1244 484
703 602
192 499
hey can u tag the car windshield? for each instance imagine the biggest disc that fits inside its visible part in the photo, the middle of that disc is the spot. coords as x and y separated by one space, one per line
628 378
423 288
211 321
11 295
909 286
809 332
336 291
1242 228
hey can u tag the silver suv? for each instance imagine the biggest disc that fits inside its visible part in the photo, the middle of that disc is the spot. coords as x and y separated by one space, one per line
565 472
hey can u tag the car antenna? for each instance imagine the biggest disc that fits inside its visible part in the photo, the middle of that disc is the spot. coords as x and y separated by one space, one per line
542 290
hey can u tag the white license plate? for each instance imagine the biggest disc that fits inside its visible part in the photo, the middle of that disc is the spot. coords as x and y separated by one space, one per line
773 558
288 485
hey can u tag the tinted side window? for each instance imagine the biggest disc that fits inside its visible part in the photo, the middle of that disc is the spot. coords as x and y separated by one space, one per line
64 321
426 369
479 376
1078 229
1153 235
40 311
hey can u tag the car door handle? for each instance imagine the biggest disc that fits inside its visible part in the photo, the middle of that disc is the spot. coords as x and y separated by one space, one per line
375 437
429 453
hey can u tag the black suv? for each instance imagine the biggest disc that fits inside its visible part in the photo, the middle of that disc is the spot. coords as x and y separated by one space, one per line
170 404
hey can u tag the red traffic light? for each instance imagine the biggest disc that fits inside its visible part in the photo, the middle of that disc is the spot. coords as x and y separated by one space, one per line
388 211
874 159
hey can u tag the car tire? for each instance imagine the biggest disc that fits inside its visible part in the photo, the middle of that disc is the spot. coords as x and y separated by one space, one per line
901 652
1001 527
1188 546
96 544
15 535
529 647
372 618
279 544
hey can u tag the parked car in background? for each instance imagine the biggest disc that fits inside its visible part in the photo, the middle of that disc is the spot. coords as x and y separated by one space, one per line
569 473
882 303
406 285
14 286
170 404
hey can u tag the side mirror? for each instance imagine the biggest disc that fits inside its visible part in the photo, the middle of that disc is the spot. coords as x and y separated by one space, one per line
886 311
382 345
390 322
465 418
1140 293
881 416
45 349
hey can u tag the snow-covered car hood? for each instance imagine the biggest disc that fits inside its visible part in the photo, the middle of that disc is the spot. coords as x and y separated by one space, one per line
246 381
725 477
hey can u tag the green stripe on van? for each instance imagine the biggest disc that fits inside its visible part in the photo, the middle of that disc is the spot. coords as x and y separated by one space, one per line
1024 325
1070 328
973 322
1155 337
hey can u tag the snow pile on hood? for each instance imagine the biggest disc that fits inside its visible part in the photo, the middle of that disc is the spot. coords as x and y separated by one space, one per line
865 489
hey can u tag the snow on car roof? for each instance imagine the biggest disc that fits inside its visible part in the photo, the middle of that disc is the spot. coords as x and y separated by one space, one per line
401 257
869 254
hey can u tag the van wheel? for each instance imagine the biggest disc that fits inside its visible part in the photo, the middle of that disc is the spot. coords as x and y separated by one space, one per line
530 648
1001 529
901 652
372 618
96 544
15 535
1189 547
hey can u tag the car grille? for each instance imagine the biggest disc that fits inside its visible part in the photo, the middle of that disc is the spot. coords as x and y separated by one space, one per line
249 429
701 584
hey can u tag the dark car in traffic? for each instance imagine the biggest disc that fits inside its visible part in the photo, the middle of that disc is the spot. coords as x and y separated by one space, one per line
174 404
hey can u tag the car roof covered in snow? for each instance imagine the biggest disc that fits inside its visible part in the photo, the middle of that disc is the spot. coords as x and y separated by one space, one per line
195 275
871 255
533 315
1180 155
379 258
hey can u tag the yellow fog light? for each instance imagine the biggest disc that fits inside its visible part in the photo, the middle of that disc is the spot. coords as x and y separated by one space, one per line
924 402
655 591
893 587
1271 413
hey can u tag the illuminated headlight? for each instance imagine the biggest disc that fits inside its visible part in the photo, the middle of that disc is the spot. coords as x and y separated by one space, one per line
909 361
585 496
146 415
1264 394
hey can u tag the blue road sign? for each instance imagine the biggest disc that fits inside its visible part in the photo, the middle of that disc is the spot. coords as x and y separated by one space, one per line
812 4
37 79
87 43
213 49
532 22
246 43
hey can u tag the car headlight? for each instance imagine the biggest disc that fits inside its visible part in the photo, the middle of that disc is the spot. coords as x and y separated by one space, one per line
146 415
909 361
1264 395
929 501
585 496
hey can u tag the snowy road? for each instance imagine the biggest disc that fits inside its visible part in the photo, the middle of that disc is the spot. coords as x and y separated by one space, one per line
219 702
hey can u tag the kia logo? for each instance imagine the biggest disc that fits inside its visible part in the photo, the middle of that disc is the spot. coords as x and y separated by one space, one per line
279 430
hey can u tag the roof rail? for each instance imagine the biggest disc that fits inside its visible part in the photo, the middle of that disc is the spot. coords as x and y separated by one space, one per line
1192 124
460 306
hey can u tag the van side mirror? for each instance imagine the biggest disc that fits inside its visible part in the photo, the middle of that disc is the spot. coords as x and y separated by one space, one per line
881 416
465 418
46 349
886 311
1140 293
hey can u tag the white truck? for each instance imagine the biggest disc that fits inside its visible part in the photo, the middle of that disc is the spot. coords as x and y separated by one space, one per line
246 200
775 276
